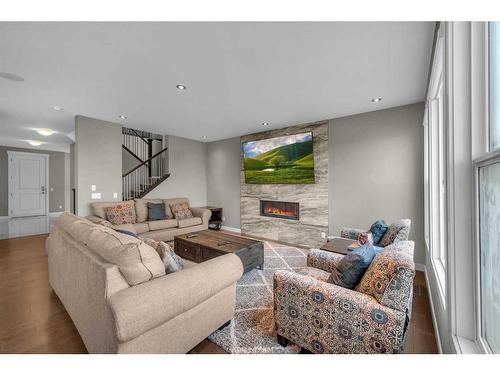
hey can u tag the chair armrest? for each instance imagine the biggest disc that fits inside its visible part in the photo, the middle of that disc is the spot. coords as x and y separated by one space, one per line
326 318
324 260
98 220
204 213
351 233
145 306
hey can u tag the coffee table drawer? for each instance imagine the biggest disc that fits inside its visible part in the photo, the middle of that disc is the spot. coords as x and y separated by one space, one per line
207 254
187 251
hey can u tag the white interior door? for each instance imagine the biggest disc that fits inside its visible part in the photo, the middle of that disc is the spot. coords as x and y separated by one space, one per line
28 175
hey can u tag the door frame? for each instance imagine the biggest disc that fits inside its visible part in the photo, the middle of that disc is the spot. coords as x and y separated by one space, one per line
10 154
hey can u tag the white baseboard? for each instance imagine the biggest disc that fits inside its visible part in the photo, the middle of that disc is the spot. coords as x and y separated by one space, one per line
231 229
55 214
434 320
420 267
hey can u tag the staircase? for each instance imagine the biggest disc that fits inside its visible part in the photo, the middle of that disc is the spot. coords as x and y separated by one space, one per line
151 169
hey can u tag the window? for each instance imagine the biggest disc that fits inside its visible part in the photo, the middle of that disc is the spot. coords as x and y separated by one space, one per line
435 169
489 257
487 169
494 87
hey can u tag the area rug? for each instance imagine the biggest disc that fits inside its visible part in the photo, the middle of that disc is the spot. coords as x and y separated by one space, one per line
252 329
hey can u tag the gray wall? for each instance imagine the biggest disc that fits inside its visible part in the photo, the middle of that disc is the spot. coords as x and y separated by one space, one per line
98 160
376 170
223 178
128 161
188 169
57 179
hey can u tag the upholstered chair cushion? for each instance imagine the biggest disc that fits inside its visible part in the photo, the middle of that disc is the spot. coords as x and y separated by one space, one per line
170 259
181 211
378 230
389 279
398 231
352 266
156 211
122 213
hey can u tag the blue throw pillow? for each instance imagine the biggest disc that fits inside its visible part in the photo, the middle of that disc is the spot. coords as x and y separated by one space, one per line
126 232
156 211
352 267
378 230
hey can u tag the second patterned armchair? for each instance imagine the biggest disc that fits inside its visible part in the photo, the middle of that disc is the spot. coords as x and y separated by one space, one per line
325 318
397 231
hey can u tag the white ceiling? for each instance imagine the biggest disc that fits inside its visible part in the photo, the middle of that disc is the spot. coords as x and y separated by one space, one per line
238 75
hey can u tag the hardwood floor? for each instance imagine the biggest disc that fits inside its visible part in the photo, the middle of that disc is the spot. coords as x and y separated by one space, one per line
33 320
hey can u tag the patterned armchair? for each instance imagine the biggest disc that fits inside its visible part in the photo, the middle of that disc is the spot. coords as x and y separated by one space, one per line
397 231
326 318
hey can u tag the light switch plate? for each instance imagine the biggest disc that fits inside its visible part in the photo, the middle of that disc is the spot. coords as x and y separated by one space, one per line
93 187
115 195
96 195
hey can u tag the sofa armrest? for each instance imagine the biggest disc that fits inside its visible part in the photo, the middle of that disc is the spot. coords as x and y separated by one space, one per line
351 233
99 220
324 260
204 213
145 306
326 318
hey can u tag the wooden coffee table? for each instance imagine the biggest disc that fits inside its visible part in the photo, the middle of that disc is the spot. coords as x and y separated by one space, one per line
338 245
207 244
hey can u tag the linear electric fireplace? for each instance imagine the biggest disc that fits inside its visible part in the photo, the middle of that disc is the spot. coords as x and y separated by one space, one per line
284 210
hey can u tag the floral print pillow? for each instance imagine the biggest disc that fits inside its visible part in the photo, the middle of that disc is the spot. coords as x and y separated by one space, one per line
181 211
122 213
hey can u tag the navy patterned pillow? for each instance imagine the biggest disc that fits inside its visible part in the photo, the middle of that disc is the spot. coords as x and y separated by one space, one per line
378 230
156 211
352 267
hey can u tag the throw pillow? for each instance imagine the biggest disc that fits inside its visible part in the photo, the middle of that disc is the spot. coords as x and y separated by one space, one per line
378 230
365 237
126 232
156 211
181 211
122 213
398 230
352 267
171 260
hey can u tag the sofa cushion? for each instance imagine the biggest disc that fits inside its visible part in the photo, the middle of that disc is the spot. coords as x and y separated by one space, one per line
162 224
398 231
98 208
122 213
137 261
393 260
171 201
181 211
352 266
190 222
141 208
171 260
156 211
141 228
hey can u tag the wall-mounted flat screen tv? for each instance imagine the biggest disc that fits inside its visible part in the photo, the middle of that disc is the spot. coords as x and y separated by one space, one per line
281 160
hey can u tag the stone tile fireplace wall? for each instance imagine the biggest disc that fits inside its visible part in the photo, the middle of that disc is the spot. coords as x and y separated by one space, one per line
312 198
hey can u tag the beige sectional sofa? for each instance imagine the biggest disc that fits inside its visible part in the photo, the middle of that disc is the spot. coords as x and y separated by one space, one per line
115 289
160 230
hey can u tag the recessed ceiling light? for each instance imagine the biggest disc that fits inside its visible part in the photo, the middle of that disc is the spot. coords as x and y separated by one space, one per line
11 77
34 143
181 87
265 124
203 137
57 108
376 100
123 117
45 132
